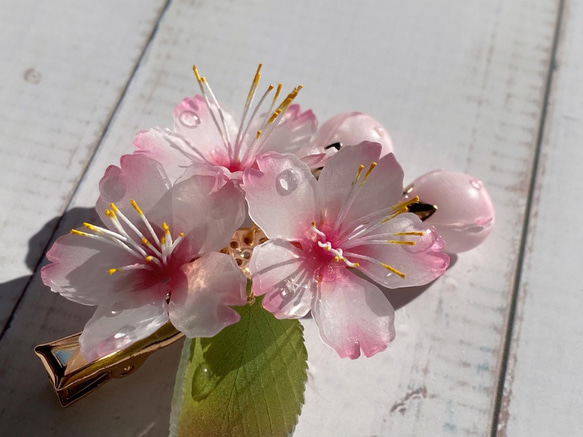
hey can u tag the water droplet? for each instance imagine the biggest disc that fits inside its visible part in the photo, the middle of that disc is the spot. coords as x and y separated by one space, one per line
286 182
189 119
203 382
476 183
115 310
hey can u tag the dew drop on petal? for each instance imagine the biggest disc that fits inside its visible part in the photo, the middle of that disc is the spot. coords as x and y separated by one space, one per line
476 183
203 382
286 182
189 119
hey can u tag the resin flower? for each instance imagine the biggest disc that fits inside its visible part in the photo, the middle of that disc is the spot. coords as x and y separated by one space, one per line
156 259
327 234
207 135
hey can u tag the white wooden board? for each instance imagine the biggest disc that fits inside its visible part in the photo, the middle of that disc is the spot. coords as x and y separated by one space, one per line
543 393
459 85
64 67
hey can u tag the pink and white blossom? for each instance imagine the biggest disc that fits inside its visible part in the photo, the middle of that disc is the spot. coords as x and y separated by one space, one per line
155 260
209 136
326 235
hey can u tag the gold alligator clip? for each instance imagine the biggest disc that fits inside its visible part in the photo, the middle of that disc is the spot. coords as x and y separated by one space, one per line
73 377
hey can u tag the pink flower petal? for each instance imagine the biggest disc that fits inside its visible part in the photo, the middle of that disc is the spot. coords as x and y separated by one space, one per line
381 189
194 122
207 215
278 272
139 178
168 149
420 263
294 132
79 269
281 196
353 316
120 321
200 306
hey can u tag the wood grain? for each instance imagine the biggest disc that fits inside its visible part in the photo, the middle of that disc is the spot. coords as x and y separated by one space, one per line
64 67
542 393
459 85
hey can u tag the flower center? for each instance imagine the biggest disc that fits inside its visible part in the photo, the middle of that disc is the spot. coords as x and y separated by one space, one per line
239 157
150 253
327 246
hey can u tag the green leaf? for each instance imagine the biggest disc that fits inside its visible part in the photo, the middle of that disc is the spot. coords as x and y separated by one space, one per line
248 380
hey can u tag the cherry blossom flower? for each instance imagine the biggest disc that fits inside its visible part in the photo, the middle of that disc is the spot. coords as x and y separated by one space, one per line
207 134
326 235
156 259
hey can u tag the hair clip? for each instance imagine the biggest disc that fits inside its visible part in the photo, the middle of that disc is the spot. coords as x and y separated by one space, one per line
219 220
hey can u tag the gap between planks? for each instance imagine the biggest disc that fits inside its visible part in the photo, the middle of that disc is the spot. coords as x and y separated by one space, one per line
114 111
499 405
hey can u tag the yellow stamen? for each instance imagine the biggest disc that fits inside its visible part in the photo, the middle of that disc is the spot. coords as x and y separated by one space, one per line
92 228
359 172
136 207
393 270
181 234
166 228
196 73
407 243
112 271
417 233
162 240
274 115
337 258
149 258
285 104
368 172
401 208
113 207
145 241
76 232
277 91
258 134
109 213
355 265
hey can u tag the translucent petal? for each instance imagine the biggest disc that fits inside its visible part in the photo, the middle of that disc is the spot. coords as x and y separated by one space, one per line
420 263
139 178
278 271
169 149
200 306
194 122
281 196
79 269
120 321
353 315
381 189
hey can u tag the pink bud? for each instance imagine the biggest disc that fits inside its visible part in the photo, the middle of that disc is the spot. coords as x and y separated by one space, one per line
465 214
352 128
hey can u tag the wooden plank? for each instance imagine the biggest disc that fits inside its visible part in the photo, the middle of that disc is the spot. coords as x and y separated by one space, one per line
542 393
459 85
61 77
